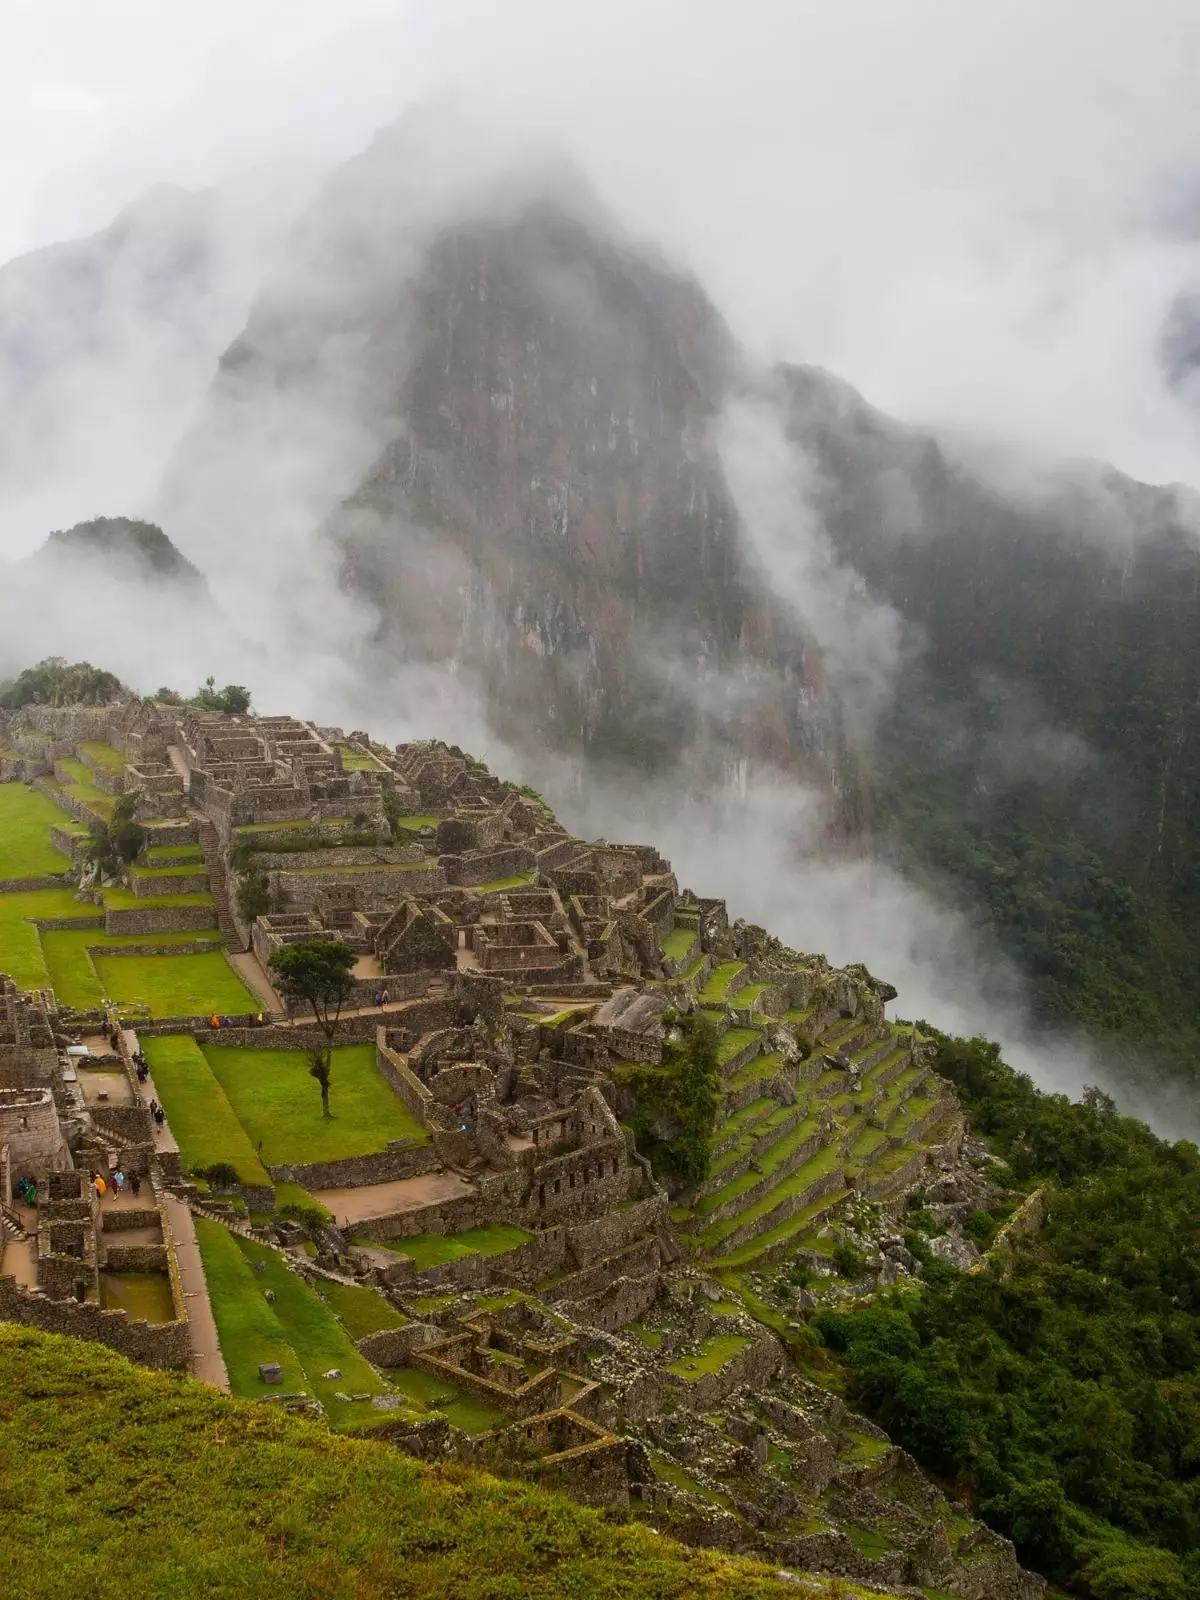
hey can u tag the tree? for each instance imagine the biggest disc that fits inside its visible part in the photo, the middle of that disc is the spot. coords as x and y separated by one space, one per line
253 894
234 698
318 1068
316 973
120 841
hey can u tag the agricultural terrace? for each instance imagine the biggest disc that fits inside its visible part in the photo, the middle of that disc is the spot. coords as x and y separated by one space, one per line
26 818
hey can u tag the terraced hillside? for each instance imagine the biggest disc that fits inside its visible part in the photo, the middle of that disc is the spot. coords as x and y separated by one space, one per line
816 1107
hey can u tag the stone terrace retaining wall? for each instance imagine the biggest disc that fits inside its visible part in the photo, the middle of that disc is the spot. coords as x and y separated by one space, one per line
149 883
402 1078
164 1344
756 1364
301 888
159 919
594 1241
357 1172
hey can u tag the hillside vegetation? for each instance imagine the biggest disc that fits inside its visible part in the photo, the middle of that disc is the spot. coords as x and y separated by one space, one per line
119 1482
1060 1396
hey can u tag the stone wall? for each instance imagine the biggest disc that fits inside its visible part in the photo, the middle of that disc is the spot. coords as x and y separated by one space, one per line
159 919
300 888
164 1344
606 1234
402 1078
357 1172
147 884
616 1305
476 867
755 1364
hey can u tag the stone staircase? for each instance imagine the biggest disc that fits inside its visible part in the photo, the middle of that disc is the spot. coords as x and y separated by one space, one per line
218 881
10 1225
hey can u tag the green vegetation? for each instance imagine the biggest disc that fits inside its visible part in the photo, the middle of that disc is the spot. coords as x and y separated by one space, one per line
73 971
202 1120
98 754
55 683
435 1249
26 817
678 944
20 949
268 1091
713 1354
519 880
353 761
315 973
362 1311
176 986
1062 1395
121 899
676 1103
435 1396
233 699
716 990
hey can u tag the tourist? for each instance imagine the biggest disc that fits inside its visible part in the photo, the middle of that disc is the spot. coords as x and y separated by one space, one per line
99 1185
118 1179
384 998
379 997
160 1116
135 1184
214 1021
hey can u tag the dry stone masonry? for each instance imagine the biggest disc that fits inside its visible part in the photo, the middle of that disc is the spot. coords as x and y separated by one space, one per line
601 1255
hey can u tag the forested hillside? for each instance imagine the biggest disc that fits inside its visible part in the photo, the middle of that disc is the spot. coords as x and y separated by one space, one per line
1060 1393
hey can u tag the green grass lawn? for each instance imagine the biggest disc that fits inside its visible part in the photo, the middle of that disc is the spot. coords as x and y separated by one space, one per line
202 1120
678 944
412 824
314 1333
362 1311
352 761
156 874
83 788
435 1249
176 986
436 1395
248 1328
288 827
519 880
119 898
26 817
716 990
103 755
167 853
72 971
20 948
713 1355
279 1103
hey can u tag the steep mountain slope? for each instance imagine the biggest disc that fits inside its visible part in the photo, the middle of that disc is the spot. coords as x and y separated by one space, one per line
1043 745
113 543
500 412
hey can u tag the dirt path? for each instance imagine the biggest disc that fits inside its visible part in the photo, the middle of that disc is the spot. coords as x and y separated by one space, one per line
251 972
208 1364
405 1194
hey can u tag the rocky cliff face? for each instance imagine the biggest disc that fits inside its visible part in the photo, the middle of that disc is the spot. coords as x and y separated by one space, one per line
501 413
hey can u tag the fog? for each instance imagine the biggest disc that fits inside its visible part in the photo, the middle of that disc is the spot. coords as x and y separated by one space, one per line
980 219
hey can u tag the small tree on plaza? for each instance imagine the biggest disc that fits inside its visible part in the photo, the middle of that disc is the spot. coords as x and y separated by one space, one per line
317 973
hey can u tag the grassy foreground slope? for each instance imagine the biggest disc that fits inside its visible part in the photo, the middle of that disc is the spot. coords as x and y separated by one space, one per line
206 1496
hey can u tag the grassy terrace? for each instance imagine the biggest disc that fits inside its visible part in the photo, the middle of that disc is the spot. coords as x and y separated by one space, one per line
677 946
26 817
302 1331
353 761
122 899
360 1311
73 971
815 1168
716 991
732 1041
275 1101
99 754
164 874
304 823
202 1119
769 1162
412 824
176 986
519 880
435 1249
712 1356
437 1396
82 788
165 854
20 948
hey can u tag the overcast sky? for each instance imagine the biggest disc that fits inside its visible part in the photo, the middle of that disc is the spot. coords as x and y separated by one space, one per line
977 214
